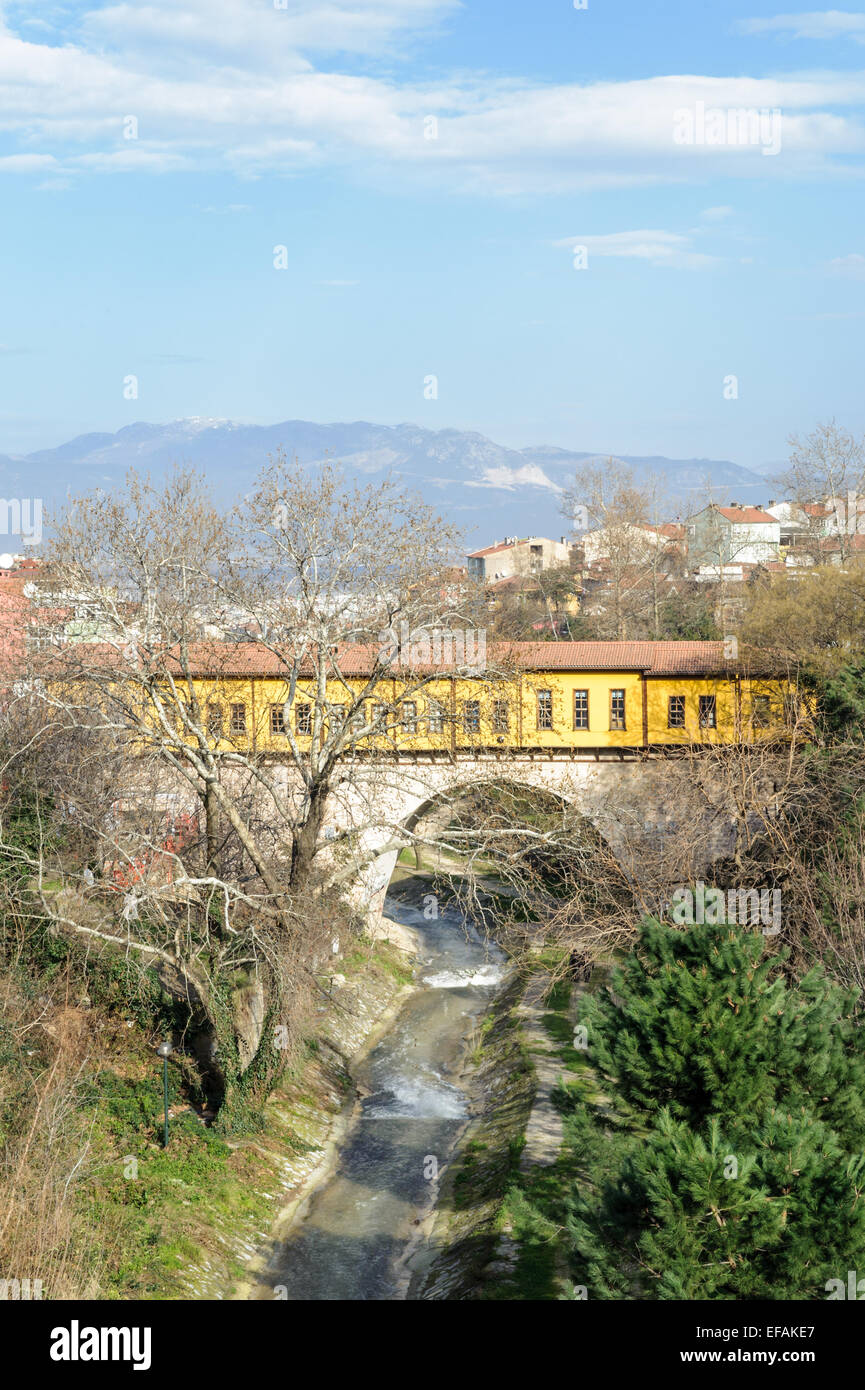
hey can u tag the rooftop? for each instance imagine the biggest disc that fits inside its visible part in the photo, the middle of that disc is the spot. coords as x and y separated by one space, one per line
217 660
750 515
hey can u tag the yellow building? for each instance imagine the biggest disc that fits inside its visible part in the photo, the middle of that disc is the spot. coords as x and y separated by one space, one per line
557 695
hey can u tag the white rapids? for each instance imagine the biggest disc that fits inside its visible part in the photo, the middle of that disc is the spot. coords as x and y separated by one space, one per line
362 1221
480 977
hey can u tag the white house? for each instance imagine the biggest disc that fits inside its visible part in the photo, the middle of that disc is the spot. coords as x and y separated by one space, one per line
634 540
734 535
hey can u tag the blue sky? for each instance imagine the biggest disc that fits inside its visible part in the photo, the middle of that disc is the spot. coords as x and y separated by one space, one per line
304 126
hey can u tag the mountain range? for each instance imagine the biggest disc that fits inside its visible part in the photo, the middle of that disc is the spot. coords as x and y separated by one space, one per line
486 488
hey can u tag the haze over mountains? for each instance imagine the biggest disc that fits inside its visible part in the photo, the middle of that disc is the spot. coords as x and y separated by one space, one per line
487 489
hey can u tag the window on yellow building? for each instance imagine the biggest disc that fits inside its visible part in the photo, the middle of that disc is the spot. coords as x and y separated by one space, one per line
303 718
409 717
581 709
436 716
676 712
545 709
501 717
337 716
617 709
237 717
277 719
214 720
379 717
472 716
708 712
761 716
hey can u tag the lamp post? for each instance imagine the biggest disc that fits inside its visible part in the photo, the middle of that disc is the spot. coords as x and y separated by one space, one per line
165 1050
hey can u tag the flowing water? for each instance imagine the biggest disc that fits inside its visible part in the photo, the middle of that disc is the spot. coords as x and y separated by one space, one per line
361 1222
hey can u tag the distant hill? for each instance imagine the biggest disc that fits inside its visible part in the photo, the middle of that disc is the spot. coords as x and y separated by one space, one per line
486 488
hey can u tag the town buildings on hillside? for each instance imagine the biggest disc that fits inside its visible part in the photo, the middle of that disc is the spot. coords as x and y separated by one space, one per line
723 546
518 556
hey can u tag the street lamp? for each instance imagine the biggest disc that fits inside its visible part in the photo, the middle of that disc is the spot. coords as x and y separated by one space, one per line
165 1050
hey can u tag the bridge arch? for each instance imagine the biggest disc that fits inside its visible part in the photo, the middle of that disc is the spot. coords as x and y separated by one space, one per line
400 797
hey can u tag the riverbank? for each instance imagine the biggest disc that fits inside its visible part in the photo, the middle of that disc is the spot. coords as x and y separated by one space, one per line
411 1109
483 1109
319 1108
471 1092
491 1235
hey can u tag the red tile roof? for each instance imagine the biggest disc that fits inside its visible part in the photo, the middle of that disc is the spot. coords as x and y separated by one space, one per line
215 660
492 549
513 582
750 515
656 658
673 530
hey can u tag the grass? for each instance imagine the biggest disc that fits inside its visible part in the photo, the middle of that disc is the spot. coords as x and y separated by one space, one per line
532 1212
100 1208
380 958
480 1032
159 1209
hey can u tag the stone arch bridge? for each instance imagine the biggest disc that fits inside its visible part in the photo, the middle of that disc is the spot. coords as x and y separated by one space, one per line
383 802
379 804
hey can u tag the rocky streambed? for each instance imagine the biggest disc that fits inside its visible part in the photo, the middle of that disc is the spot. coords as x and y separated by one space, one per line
359 1230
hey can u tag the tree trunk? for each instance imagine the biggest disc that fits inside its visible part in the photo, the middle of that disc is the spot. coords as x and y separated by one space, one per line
211 813
306 840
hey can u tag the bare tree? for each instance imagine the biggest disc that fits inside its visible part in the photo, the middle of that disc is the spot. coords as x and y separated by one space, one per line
625 544
566 877
825 480
206 856
534 601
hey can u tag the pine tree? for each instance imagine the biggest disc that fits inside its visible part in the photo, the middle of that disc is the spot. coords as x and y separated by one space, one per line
842 701
746 1181
703 1022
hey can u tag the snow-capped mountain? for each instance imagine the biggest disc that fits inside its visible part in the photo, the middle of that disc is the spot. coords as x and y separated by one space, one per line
487 488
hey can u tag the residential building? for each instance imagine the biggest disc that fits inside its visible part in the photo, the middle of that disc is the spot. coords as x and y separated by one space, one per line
518 556
736 535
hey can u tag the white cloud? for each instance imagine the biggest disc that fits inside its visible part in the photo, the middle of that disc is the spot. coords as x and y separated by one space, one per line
852 265
201 30
238 85
719 214
26 163
131 160
657 247
817 24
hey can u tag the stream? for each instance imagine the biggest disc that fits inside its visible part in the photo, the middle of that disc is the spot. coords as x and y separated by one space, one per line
361 1222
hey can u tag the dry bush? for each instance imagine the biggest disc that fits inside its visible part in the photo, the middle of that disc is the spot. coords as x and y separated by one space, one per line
45 1148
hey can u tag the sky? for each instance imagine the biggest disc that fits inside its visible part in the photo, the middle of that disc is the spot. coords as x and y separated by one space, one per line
271 209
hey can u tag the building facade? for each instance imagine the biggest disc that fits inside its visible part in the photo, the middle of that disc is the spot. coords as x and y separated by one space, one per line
517 557
734 535
582 697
